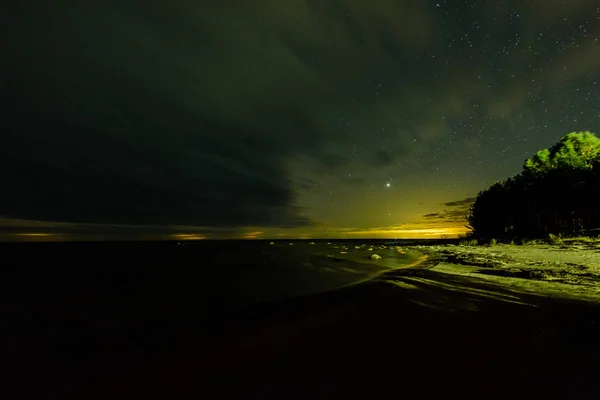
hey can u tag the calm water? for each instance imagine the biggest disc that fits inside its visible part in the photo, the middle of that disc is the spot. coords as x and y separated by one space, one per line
264 272
185 280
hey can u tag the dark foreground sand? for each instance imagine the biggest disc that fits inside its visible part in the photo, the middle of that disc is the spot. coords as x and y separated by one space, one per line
469 322
417 332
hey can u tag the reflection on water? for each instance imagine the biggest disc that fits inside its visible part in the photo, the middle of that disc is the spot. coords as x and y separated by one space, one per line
300 268
199 275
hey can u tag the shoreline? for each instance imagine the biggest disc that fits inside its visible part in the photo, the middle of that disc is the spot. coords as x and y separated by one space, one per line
445 278
422 259
436 319
438 312
568 271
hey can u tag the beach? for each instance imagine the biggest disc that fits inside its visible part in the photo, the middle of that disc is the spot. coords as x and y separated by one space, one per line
434 329
445 326
569 270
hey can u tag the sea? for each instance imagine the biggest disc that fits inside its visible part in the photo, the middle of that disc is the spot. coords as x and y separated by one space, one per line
188 279
92 303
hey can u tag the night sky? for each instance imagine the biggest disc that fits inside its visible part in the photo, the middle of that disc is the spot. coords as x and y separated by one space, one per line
282 118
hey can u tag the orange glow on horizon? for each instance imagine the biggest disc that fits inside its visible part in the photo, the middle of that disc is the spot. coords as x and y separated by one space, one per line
33 237
252 235
36 234
187 236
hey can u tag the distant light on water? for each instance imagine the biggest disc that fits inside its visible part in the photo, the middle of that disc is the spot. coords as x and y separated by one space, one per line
188 236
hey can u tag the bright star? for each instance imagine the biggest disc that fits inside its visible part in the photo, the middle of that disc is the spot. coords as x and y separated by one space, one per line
387 184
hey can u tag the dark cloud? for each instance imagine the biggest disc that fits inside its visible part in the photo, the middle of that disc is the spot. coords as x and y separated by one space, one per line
433 216
166 114
461 203
113 119
382 158
306 184
200 113
355 181
456 215
457 212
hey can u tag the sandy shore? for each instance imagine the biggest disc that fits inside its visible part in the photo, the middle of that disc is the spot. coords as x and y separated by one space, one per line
569 271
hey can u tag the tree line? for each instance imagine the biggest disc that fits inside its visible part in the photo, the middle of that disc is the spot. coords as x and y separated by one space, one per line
557 192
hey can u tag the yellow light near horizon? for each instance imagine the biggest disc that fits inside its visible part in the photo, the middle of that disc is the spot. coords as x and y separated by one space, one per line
413 233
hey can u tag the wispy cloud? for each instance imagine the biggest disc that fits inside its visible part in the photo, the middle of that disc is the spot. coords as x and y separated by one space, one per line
461 203
454 215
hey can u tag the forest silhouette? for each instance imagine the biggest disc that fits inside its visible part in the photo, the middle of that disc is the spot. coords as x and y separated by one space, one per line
557 193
